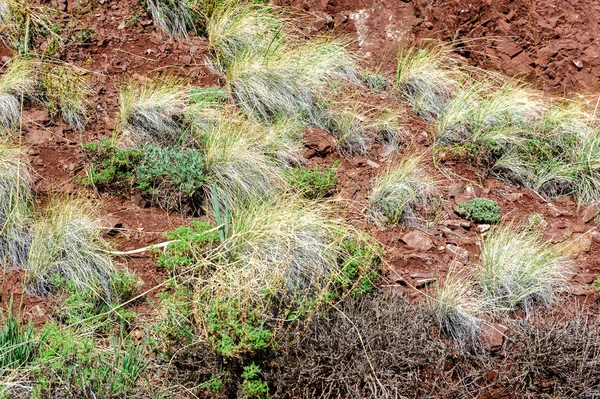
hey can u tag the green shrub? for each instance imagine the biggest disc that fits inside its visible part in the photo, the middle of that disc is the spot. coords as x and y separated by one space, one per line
313 183
18 343
71 364
480 210
252 384
171 175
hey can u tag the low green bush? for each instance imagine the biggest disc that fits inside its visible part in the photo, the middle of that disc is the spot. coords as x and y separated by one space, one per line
480 210
171 175
313 183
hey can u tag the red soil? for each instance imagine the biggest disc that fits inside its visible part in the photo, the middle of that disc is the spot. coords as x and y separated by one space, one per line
117 53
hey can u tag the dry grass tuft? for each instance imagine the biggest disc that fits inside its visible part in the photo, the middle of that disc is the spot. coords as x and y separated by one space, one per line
15 208
518 270
67 247
153 111
18 82
400 192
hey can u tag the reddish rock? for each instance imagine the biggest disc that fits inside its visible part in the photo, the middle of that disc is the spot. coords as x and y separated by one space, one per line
459 254
590 212
492 336
418 240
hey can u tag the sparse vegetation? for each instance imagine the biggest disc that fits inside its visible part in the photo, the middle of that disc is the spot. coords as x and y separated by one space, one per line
427 78
271 74
457 308
400 192
66 90
480 210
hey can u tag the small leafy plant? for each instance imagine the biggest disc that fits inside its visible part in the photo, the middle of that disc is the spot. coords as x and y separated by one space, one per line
480 210
314 183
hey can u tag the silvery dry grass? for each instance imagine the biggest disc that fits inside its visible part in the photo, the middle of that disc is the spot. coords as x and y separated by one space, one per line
573 135
153 111
237 30
518 270
238 162
66 92
349 128
457 308
174 17
271 74
484 111
399 190
16 83
426 77
15 204
67 247
282 253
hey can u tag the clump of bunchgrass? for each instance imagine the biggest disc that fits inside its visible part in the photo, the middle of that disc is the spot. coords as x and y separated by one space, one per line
426 77
237 163
349 128
237 30
16 84
153 111
400 192
518 270
174 17
278 263
66 90
484 112
15 208
457 308
67 246
268 74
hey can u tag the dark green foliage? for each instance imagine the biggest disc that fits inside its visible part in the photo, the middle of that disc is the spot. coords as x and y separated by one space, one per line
252 384
314 183
187 241
172 175
177 168
18 343
480 210
175 328
71 365
360 261
86 307
230 333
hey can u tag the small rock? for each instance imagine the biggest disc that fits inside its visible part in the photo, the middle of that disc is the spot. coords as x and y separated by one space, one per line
578 228
473 191
590 212
456 224
596 236
578 289
5 59
372 164
575 247
578 64
558 235
39 136
418 240
112 224
482 228
454 189
586 278
492 336
422 279
459 254
554 211
513 197
140 201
